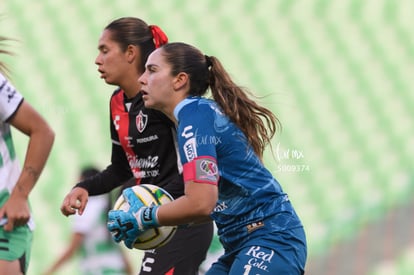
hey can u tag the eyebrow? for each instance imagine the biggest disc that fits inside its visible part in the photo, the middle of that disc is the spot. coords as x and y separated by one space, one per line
149 66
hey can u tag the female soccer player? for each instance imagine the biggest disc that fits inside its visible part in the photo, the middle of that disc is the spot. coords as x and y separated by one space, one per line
143 143
221 145
16 222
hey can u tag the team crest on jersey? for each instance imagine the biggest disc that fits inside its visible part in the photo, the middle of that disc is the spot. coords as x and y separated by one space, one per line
141 121
207 170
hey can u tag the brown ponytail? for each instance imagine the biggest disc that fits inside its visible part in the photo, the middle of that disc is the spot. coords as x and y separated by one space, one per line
257 123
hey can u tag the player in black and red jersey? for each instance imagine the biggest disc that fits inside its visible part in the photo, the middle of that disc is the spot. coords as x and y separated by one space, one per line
143 144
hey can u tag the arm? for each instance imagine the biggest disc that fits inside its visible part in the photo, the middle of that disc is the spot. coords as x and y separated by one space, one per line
196 205
113 176
76 241
200 171
41 137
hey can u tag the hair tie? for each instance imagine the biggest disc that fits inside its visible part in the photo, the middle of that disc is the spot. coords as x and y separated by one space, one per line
159 37
208 61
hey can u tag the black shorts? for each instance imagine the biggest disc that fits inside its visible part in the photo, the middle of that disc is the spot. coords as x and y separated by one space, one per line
182 255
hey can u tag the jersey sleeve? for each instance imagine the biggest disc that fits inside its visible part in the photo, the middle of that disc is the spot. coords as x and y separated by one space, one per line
115 174
10 99
197 144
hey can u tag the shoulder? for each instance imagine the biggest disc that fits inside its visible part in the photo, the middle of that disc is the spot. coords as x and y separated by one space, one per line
195 108
10 99
118 93
117 100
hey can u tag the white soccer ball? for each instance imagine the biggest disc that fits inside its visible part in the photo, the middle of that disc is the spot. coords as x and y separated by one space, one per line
150 195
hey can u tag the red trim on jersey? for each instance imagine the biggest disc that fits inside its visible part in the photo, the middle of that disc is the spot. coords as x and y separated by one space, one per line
202 170
120 119
170 272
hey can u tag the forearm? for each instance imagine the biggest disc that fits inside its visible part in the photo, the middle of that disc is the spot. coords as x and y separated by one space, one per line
38 150
194 207
113 176
182 211
105 181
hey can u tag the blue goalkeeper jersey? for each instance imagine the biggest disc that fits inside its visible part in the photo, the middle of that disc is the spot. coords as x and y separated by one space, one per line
250 198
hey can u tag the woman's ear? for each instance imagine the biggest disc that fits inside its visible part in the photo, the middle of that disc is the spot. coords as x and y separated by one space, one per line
131 53
180 81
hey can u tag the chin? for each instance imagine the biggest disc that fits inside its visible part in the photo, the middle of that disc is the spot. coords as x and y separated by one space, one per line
148 104
153 106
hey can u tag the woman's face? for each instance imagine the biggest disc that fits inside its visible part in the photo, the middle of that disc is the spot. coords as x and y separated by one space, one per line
157 83
112 62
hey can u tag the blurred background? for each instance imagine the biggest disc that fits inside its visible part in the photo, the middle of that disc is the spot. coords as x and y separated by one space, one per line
338 73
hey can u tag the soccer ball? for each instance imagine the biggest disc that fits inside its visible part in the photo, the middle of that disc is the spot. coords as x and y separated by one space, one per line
150 195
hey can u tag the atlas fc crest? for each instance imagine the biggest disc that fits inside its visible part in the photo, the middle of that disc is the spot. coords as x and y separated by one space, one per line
141 121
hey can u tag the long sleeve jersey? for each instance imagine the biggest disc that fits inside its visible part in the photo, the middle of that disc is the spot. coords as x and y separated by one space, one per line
143 147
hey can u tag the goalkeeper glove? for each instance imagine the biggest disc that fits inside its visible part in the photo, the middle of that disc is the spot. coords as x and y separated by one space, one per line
129 225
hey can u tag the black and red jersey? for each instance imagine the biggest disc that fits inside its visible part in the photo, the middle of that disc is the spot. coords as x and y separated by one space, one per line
143 147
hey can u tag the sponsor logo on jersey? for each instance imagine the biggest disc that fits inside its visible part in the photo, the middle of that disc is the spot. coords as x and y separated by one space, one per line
220 206
147 139
10 91
147 262
144 167
207 170
207 139
190 149
141 121
128 142
116 122
187 133
138 174
148 162
259 258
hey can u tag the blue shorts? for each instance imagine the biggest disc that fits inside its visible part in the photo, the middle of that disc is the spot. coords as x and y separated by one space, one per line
285 254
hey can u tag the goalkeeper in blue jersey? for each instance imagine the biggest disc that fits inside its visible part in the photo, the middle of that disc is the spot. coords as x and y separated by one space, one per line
221 144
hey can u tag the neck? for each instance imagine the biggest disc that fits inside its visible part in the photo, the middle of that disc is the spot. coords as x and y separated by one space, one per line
129 83
173 119
169 112
131 90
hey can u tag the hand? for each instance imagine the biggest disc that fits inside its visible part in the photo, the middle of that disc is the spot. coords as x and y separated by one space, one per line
128 225
76 200
133 201
15 212
146 216
123 226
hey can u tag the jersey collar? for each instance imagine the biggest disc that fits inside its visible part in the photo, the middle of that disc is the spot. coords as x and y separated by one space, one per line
180 105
